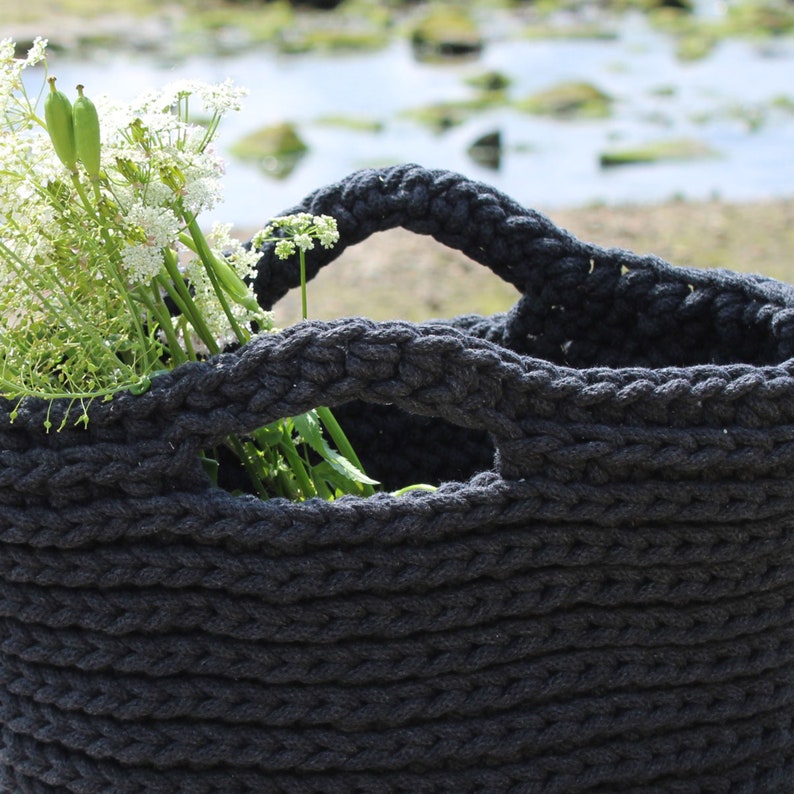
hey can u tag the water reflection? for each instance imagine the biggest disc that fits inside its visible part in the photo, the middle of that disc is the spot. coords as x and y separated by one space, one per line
737 101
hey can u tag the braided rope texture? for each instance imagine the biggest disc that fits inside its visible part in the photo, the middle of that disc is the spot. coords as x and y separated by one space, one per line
598 598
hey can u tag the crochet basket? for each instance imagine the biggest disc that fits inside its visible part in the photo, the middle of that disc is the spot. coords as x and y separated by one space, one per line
598 598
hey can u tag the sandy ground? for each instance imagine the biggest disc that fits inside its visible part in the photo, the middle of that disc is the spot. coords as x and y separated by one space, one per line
398 274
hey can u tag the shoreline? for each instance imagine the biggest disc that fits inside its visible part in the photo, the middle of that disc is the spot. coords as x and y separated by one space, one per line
400 275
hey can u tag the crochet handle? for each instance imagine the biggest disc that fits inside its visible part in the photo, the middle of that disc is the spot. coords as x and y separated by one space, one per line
430 370
487 226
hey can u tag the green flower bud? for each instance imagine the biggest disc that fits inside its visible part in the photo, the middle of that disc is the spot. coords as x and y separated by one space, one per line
58 116
233 285
86 133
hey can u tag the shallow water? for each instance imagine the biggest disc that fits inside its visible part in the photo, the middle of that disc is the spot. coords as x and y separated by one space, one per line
546 163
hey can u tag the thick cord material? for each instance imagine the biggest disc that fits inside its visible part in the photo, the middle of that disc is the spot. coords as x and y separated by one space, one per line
599 597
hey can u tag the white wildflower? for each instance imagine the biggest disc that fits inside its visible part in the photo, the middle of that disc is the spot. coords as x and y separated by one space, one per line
141 262
213 314
194 138
201 193
156 194
259 238
6 51
15 107
159 225
285 249
116 119
222 97
299 222
298 232
220 237
303 242
215 97
37 53
244 261
327 232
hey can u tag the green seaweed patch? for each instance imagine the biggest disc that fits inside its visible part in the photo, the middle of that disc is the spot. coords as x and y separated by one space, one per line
657 151
276 148
694 37
491 81
751 116
567 31
769 18
289 29
324 38
446 31
353 123
251 23
784 103
696 43
663 91
441 116
568 100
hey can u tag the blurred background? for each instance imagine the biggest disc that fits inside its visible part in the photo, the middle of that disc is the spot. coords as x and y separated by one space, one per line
666 126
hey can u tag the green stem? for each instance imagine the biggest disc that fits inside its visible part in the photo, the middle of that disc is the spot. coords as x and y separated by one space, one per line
242 335
123 289
323 491
66 311
179 292
285 486
184 326
157 309
304 299
111 248
254 475
296 464
197 243
10 388
200 245
89 207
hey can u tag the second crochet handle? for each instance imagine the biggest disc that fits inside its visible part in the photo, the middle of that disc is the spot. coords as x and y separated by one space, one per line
468 216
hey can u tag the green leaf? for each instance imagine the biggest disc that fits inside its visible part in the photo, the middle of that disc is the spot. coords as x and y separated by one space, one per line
308 426
331 484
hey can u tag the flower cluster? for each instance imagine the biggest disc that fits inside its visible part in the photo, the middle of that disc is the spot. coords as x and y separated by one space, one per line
298 233
106 276
94 259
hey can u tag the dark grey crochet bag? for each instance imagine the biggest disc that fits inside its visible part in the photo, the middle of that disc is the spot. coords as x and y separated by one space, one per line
598 598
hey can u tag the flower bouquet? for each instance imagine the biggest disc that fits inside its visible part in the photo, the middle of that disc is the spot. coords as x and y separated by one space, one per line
594 594
108 278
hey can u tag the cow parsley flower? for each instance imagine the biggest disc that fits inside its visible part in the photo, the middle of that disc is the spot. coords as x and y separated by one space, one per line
89 260
141 263
14 103
326 230
159 225
297 232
